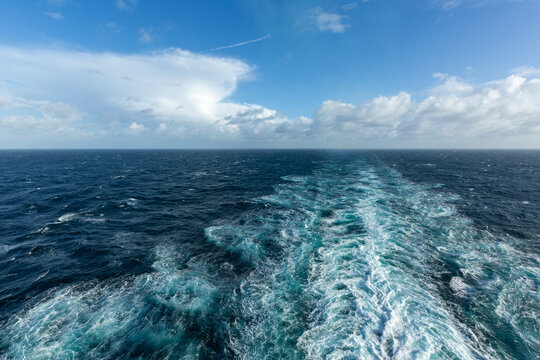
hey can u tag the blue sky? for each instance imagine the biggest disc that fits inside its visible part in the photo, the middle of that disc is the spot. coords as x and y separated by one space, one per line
393 74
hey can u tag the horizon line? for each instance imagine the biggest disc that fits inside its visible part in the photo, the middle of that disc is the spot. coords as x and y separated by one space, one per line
270 149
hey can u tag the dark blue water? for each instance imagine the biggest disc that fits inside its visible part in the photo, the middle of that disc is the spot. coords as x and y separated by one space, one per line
269 255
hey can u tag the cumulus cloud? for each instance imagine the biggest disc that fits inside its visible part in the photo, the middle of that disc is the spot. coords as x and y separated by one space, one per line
453 109
135 129
255 122
378 117
173 92
171 85
179 95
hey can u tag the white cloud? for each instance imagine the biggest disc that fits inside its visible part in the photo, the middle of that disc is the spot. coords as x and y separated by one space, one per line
325 21
135 129
24 117
454 110
526 71
171 85
242 43
183 96
184 92
126 4
255 122
54 15
378 117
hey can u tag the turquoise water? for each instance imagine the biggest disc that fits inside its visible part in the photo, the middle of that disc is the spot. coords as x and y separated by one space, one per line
346 258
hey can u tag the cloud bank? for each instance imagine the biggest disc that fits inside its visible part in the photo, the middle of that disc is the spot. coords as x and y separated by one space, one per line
173 93
454 112
176 98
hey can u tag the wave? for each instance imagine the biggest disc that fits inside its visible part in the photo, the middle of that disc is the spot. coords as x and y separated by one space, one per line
151 316
358 262
352 262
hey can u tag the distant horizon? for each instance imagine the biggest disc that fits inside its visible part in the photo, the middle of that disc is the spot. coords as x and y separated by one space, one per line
271 149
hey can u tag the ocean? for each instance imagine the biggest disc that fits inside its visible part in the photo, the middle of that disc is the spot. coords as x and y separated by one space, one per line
269 254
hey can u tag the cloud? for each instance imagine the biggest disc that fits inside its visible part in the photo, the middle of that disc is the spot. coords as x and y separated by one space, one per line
30 117
255 122
162 127
324 21
135 129
378 117
526 71
127 5
242 43
351 6
450 5
111 27
54 15
186 93
145 36
453 110
178 98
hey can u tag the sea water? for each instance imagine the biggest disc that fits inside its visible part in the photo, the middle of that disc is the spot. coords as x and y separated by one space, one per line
269 255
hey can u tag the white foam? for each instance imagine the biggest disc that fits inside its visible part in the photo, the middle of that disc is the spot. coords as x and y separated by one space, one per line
371 293
92 320
68 217
459 286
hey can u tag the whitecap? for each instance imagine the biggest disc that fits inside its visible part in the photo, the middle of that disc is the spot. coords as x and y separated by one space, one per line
68 217
459 286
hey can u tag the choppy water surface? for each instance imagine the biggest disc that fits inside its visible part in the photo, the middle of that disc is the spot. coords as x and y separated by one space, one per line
269 255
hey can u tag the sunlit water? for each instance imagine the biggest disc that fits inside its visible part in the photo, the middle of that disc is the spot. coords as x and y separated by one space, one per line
269 255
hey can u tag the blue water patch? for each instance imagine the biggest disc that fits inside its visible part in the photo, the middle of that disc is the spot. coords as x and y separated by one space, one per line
268 255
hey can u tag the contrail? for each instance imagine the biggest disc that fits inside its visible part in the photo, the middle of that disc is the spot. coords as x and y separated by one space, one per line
241 43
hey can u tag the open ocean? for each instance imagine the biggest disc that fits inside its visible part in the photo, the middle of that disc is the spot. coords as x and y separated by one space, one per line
269 254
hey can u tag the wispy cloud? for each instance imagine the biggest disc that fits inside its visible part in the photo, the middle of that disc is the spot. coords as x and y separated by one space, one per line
242 43
451 5
126 4
145 36
326 21
111 27
350 6
526 71
54 15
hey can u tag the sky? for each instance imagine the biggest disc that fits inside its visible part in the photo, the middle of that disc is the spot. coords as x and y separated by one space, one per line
270 74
